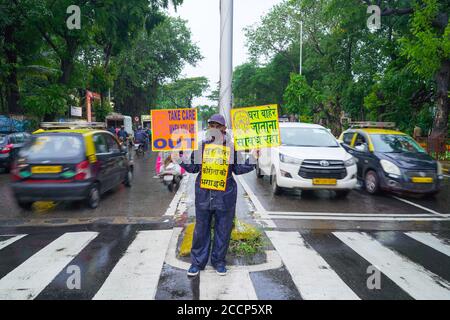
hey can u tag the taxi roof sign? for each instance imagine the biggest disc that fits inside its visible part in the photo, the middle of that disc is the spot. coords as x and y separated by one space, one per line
73 125
372 124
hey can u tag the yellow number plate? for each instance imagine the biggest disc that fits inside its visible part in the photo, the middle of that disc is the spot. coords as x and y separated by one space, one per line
328 182
46 169
422 180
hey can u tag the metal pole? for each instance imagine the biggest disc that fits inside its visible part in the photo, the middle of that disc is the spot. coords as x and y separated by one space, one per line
301 46
226 58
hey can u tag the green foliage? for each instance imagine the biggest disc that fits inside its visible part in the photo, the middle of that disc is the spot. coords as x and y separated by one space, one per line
427 46
101 110
46 101
347 69
180 93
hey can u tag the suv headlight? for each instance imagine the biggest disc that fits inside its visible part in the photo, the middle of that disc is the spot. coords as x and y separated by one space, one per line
287 159
350 162
390 168
440 170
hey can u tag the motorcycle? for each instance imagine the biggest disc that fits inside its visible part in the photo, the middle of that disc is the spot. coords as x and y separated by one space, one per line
171 176
139 149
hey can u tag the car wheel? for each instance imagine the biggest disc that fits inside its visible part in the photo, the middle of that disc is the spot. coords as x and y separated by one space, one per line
259 174
93 198
26 205
371 182
129 178
342 193
276 190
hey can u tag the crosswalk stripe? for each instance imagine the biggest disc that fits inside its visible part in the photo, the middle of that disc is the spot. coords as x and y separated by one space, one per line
418 282
7 242
312 275
431 241
31 277
236 285
136 275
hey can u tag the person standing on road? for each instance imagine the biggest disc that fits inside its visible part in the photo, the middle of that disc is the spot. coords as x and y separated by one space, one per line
221 204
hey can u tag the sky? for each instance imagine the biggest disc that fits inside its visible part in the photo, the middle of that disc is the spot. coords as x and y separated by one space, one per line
203 19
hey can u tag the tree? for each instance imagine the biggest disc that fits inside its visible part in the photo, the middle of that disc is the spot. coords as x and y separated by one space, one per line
153 59
181 93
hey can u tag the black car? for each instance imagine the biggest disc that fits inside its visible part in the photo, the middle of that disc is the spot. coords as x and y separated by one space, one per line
10 144
393 161
70 165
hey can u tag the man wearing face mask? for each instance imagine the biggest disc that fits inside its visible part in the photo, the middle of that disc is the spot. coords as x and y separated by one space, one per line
221 204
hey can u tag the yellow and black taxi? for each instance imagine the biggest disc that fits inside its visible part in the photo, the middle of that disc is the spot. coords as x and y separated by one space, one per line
70 165
391 160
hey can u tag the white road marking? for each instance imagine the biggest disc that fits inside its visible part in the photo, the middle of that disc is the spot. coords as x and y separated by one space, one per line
368 218
171 210
431 241
312 275
418 206
7 242
236 285
259 207
418 282
31 277
136 275
348 214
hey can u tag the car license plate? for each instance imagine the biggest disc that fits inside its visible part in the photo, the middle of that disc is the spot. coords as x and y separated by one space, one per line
328 182
422 180
46 169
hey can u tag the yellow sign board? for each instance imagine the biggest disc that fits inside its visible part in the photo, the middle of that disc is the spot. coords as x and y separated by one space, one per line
255 127
215 167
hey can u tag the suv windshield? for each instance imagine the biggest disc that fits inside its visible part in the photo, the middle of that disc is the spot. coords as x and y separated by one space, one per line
55 147
391 143
307 137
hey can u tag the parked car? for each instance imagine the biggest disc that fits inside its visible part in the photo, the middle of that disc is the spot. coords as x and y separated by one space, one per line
10 144
393 161
70 165
309 158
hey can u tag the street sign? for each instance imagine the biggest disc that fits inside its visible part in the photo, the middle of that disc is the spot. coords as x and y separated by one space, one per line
76 111
255 127
174 130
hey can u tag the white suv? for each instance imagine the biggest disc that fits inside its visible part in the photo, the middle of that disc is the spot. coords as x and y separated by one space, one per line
310 158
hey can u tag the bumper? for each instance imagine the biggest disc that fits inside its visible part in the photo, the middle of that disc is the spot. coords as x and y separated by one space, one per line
348 183
401 185
51 191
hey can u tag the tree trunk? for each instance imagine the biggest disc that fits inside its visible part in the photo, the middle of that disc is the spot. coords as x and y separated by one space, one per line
66 69
440 125
12 86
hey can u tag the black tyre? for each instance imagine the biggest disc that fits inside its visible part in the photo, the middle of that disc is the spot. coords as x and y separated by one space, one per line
93 199
371 182
259 174
26 205
276 190
129 178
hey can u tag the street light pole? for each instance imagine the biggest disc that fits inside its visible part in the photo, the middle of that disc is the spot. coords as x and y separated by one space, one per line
226 58
301 46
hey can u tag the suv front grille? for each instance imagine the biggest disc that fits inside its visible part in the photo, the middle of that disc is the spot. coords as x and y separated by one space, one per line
312 169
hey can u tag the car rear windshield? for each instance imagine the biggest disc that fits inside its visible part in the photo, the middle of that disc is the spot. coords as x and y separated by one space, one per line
391 143
307 137
55 147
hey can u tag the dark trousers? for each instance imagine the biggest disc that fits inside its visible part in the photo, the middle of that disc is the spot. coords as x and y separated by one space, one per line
201 243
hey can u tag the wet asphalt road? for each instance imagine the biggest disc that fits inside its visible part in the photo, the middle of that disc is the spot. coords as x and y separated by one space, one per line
147 198
358 201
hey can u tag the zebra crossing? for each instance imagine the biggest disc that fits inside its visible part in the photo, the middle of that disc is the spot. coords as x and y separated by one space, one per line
138 264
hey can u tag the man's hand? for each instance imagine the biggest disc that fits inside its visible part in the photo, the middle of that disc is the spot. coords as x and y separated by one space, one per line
175 156
255 153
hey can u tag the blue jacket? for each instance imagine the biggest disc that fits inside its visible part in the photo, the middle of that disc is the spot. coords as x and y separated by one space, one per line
212 199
